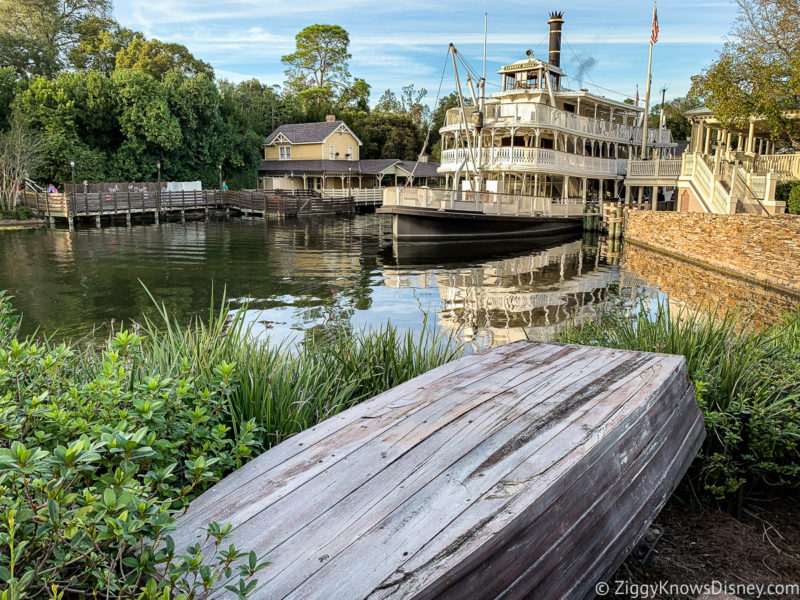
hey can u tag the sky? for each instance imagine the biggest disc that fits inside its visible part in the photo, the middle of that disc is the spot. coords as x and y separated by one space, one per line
397 42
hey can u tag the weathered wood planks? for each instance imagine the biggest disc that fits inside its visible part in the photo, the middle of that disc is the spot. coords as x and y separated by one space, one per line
526 471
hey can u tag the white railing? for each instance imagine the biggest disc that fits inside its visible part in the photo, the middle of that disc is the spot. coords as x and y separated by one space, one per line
523 114
659 168
530 159
720 199
783 165
486 202
704 176
360 195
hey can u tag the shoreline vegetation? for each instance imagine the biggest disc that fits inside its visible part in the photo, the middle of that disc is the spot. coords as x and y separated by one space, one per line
104 445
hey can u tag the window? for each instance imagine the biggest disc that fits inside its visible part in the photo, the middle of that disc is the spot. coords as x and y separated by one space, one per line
285 152
332 151
350 152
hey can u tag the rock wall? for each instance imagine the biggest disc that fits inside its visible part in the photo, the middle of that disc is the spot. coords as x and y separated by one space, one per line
760 249
698 288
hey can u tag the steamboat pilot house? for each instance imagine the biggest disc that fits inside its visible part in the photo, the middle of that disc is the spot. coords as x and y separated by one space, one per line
540 139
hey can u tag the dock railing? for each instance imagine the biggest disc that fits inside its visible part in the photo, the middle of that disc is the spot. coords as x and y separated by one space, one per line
489 203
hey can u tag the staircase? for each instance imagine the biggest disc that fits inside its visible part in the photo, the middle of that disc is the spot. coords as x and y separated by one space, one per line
723 187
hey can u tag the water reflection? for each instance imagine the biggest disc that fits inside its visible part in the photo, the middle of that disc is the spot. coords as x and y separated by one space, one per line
302 276
530 294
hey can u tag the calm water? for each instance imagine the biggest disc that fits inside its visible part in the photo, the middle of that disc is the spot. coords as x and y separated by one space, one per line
298 275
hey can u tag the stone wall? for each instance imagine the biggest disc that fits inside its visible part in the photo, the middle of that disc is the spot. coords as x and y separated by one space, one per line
698 288
760 249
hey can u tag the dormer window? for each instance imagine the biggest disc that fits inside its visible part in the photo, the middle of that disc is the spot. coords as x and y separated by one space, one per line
332 151
285 152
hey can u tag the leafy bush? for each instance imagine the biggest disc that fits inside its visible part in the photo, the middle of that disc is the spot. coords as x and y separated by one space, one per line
734 371
793 203
101 449
96 463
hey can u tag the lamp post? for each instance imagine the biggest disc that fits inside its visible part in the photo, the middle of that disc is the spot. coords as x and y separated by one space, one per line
349 182
72 168
291 179
219 169
158 195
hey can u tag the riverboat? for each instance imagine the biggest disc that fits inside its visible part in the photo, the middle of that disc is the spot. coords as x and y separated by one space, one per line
526 160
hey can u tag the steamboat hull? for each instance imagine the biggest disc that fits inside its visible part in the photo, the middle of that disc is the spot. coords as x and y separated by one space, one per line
424 224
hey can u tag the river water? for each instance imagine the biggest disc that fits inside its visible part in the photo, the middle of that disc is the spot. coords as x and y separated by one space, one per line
300 275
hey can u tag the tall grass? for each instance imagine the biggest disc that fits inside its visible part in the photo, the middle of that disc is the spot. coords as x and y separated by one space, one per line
288 389
747 383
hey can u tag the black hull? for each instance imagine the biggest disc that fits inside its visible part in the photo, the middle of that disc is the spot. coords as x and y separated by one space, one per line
429 224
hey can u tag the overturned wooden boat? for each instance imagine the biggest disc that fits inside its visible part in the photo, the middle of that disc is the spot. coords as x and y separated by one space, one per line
527 471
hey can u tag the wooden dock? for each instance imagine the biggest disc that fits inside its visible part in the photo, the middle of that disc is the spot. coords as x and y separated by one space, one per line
527 471
127 204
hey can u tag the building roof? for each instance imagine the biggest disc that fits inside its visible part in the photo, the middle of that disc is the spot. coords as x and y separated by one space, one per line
308 133
342 167
698 111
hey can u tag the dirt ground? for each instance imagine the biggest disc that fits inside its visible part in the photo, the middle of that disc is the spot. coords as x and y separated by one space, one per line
702 547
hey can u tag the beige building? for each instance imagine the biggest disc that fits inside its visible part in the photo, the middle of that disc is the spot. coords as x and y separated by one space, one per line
326 156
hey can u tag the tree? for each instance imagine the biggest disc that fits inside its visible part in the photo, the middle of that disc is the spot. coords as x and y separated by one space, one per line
438 120
674 118
758 70
157 58
99 41
37 35
408 102
8 88
320 58
391 136
20 154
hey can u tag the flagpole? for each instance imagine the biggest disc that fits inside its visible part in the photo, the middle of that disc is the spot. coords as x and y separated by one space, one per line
647 93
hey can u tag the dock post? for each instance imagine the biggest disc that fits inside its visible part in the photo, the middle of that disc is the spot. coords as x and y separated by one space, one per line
52 221
128 219
183 216
71 223
97 221
155 215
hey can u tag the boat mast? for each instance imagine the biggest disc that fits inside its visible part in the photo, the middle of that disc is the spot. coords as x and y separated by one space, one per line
653 34
463 115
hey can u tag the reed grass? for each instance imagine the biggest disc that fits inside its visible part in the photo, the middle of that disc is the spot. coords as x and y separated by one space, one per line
747 383
288 389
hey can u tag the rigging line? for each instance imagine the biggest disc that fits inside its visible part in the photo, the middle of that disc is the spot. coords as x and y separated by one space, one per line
430 123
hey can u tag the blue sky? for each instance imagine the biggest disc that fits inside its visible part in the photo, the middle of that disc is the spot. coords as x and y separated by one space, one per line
398 42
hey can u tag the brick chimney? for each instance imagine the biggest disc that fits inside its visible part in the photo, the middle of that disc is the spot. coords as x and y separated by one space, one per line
330 118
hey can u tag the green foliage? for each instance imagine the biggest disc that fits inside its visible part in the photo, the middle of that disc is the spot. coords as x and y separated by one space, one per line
284 391
99 41
391 136
320 58
733 370
157 58
102 448
758 70
8 89
37 35
20 213
793 202
98 457
674 118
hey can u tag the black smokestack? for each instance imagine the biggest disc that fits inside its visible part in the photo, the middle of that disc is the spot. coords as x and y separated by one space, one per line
555 22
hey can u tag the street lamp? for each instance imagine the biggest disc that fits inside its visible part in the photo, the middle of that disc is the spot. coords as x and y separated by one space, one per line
291 179
349 183
158 195
219 168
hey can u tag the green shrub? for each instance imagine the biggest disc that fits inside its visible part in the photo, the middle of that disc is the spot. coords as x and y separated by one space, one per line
793 203
734 370
96 463
101 449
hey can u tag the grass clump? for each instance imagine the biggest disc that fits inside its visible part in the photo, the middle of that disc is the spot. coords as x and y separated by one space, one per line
747 384
102 448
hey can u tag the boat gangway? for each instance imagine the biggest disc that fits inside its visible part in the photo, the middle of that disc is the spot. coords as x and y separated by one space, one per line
527 471
72 207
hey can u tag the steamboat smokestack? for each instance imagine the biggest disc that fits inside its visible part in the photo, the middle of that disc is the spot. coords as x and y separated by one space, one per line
555 22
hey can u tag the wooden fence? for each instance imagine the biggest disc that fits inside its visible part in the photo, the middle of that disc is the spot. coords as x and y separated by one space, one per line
127 203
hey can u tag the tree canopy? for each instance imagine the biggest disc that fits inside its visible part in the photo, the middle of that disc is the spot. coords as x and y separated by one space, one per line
757 72
320 59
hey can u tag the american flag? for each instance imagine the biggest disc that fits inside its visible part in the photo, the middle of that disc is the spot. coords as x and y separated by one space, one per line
654 30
